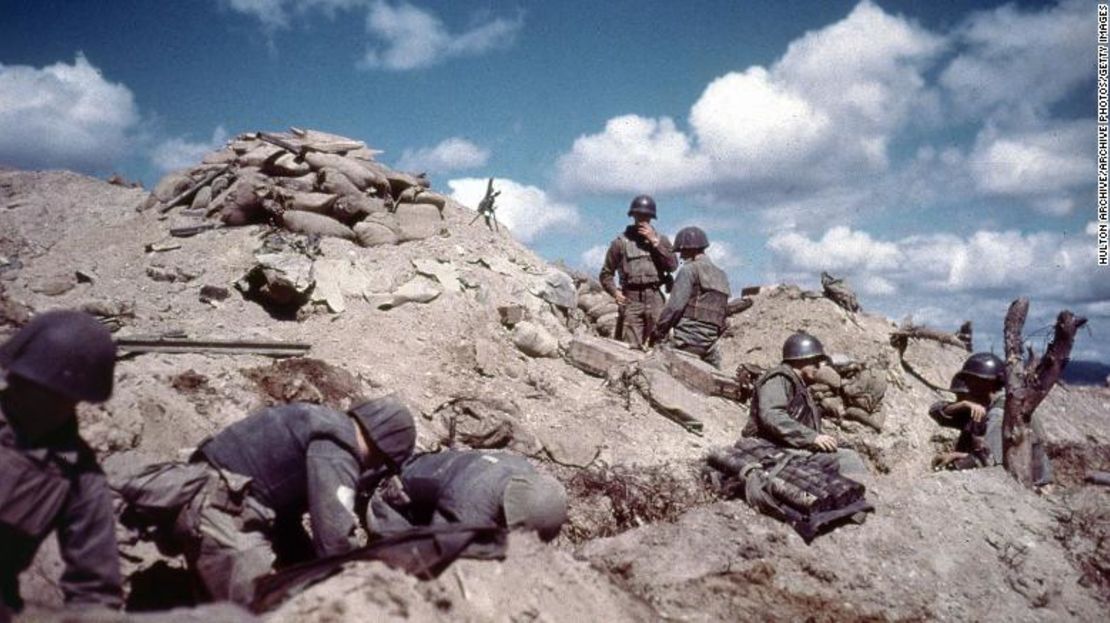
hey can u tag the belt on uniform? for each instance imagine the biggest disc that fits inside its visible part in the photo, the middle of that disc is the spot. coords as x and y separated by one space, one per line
638 287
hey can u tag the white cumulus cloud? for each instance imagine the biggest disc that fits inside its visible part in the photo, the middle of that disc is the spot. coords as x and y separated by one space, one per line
64 115
410 37
179 153
1042 165
990 263
452 154
830 106
526 210
634 154
1013 59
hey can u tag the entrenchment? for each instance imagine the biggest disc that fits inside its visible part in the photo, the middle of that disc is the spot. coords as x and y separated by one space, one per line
438 319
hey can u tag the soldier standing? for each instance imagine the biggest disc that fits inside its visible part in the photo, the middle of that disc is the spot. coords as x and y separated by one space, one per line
49 477
698 304
644 260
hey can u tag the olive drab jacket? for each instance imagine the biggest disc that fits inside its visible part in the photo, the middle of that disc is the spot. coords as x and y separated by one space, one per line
300 457
56 485
783 410
700 295
639 264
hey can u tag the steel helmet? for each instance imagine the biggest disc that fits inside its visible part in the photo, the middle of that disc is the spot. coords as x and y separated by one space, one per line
801 346
65 351
388 424
985 366
642 204
535 502
690 239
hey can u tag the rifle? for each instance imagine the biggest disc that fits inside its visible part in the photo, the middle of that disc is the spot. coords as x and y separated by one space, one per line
416 551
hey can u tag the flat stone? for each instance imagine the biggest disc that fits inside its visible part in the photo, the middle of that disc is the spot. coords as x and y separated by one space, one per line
596 356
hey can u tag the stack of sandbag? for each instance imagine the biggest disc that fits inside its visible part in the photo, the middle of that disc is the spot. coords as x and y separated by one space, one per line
599 307
308 182
862 392
845 391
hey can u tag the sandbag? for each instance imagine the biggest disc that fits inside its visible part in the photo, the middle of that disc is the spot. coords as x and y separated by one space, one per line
304 183
171 185
286 164
361 176
201 199
224 156
310 223
320 203
589 300
866 390
258 156
372 234
535 341
244 205
609 306
607 324
399 181
332 181
357 207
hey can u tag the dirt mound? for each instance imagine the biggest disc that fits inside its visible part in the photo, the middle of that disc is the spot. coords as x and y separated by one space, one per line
434 319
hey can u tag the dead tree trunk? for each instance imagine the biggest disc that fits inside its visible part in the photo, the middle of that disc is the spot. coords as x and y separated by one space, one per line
1027 384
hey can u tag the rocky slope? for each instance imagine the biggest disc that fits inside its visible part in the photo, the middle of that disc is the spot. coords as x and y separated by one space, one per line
950 546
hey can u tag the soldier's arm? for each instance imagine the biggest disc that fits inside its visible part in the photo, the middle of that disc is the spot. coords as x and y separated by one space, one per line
676 303
87 540
332 482
946 413
775 421
665 255
609 268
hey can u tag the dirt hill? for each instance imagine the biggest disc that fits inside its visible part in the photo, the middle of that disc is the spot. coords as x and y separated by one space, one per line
647 540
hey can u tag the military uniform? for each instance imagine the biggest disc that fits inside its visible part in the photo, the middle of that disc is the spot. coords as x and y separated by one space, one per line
467 487
72 498
643 269
258 477
697 309
783 412
983 440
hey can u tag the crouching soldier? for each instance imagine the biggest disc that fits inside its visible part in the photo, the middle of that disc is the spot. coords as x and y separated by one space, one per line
238 506
698 304
977 412
49 477
473 488
783 411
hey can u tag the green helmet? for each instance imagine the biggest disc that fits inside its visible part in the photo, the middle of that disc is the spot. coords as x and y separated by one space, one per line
690 239
68 352
643 205
986 366
802 346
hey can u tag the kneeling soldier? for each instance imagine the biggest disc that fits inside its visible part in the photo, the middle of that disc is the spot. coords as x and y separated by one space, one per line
978 413
783 411
238 506
698 304
49 477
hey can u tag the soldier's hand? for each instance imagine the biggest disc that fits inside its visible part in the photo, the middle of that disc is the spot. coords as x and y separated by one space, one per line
976 411
824 443
622 300
648 232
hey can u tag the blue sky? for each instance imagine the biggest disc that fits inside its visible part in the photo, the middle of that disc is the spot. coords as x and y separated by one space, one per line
939 155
